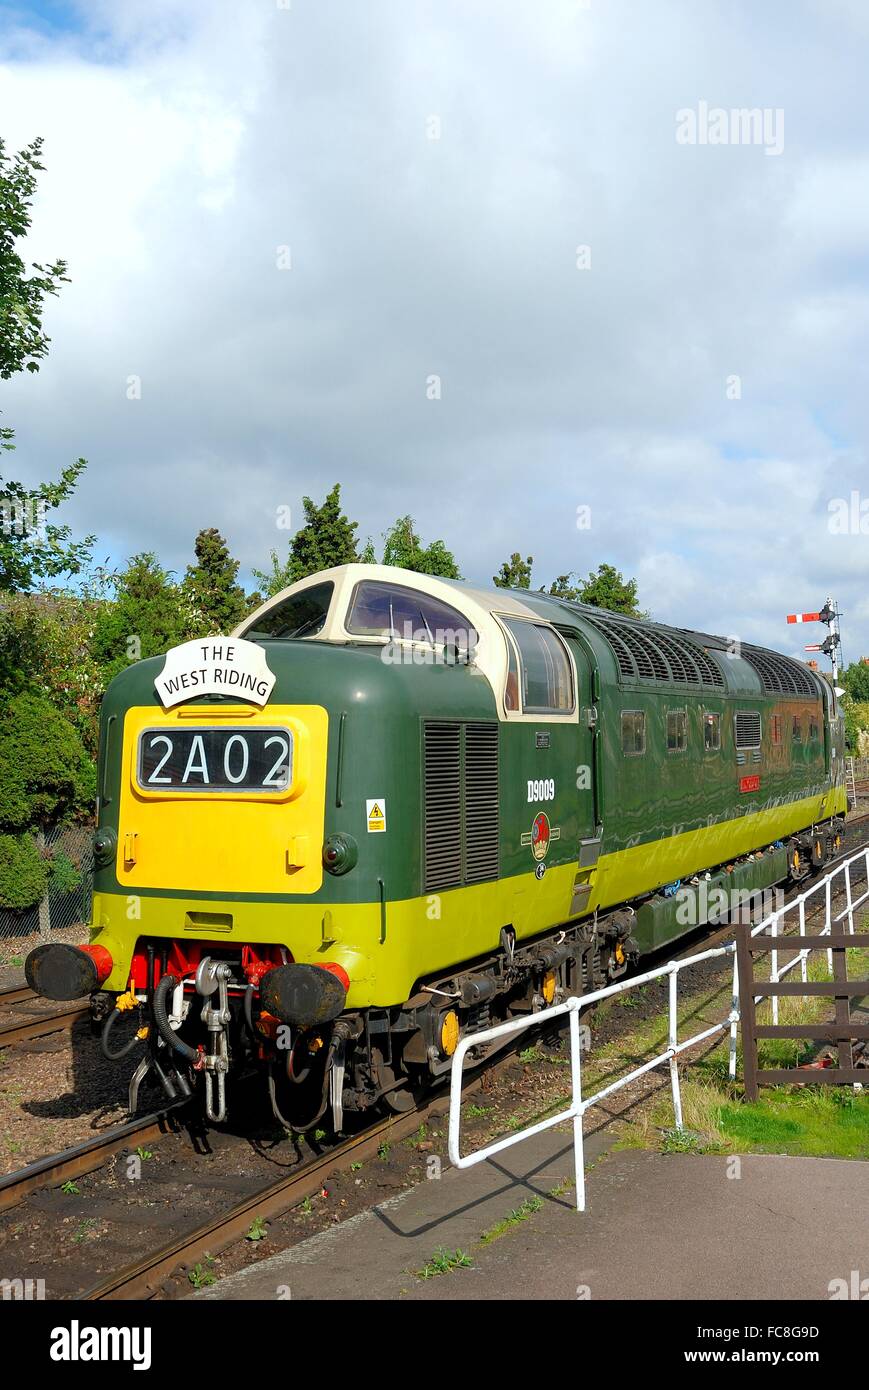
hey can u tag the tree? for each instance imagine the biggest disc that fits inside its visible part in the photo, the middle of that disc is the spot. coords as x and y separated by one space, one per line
856 681
604 588
150 614
327 538
210 585
45 777
31 548
23 343
566 586
45 773
515 573
46 648
403 547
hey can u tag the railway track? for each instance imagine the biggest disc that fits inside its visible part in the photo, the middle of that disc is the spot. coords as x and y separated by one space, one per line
38 1018
147 1276
86 1157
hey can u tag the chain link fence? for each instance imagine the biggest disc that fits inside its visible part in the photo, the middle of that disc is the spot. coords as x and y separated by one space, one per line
60 908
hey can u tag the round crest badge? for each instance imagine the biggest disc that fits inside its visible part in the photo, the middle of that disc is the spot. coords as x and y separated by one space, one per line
540 836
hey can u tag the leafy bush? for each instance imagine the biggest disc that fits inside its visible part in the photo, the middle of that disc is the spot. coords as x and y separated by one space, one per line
23 872
856 714
45 648
64 877
45 773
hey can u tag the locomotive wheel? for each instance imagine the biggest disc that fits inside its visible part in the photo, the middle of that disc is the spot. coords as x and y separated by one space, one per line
798 862
400 1102
404 1098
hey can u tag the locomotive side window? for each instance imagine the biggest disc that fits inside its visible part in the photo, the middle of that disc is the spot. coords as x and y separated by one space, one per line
711 732
677 730
391 610
215 760
300 615
633 732
511 690
747 728
546 680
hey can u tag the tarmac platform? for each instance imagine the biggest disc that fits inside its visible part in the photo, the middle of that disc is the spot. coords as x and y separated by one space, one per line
657 1226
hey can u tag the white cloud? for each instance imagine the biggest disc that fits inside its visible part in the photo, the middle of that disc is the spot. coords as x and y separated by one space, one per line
186 143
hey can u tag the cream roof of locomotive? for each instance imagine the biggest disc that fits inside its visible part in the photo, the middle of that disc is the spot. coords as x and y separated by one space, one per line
478 606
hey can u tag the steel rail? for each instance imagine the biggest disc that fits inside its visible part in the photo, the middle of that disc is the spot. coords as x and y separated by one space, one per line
85 1157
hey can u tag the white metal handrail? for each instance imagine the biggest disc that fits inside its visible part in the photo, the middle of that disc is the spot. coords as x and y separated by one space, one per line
572 1007
579 1104
776 923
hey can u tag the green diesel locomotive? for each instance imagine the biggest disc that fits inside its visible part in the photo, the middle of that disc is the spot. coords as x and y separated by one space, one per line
390 809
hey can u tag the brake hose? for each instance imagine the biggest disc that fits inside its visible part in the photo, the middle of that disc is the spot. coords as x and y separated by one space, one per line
164 1028
114 1055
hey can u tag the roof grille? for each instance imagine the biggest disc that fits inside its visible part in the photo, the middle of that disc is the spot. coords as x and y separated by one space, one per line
461 821
648 654
780 675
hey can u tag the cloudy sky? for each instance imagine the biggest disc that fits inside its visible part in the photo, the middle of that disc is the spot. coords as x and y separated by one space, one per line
295 222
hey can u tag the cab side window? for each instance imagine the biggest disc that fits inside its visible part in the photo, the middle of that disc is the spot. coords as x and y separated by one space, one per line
545 677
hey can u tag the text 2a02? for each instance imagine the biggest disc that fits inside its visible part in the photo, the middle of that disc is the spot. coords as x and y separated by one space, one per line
216 760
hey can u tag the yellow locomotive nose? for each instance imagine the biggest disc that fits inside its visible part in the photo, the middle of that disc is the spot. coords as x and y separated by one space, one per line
223 799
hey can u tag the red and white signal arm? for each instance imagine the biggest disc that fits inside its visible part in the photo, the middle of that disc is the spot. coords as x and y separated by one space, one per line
804 618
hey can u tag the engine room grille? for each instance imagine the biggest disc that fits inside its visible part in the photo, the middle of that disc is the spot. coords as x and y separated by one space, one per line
779 675
648 654
461 810
747 728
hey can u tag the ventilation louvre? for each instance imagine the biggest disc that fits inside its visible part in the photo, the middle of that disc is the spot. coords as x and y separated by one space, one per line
648 654
481 802
780 675
747 728
443 805
461 822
